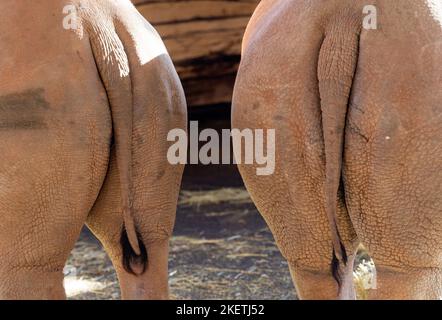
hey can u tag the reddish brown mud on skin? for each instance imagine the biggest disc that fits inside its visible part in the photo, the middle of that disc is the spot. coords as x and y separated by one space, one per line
384 144
55 176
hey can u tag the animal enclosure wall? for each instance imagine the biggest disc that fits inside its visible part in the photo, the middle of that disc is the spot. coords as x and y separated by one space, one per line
204 39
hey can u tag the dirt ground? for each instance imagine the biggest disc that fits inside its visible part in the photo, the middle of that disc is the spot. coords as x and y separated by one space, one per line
221 248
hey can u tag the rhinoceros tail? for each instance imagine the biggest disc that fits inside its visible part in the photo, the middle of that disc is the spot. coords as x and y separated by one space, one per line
130 257
113 66
336 68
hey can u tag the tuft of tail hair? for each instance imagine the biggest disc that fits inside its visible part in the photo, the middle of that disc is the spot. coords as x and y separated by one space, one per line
130 258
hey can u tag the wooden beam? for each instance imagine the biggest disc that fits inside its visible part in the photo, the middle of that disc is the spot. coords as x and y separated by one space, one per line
204 40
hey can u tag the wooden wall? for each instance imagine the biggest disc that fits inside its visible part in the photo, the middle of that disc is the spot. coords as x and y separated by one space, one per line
204 39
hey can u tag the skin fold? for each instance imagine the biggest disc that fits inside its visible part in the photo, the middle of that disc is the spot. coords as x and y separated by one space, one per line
84 116
358 118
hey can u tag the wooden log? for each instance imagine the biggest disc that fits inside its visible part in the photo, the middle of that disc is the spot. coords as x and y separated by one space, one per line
204 40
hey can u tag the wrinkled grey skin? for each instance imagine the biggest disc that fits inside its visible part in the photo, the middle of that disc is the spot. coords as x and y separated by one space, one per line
358 118
84 116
